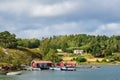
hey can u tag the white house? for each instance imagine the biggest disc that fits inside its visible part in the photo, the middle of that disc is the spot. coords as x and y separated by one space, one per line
59 50
78 52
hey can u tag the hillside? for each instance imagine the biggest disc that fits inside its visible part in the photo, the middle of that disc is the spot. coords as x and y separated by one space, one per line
18 56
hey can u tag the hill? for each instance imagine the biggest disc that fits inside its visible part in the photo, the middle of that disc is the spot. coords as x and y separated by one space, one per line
18 56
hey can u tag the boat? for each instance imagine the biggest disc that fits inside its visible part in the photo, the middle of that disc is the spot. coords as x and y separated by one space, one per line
55 68
14 73
71 69
36 69
29 69
51 68
68 69
63 68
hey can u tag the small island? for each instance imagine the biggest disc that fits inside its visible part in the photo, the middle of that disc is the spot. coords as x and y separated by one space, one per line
17 53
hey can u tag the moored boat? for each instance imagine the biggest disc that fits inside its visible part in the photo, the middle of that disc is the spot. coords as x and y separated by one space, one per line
68 69
71 69
14 73
55 68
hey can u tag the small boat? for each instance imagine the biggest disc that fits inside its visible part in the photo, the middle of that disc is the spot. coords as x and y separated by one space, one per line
51 68
36 69
63 68
14 73
29 69
68 69
55 68
71 69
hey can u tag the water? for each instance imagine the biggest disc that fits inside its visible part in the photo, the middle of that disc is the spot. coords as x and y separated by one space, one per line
103 73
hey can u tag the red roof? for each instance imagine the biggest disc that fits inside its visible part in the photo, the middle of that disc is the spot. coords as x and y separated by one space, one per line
42 61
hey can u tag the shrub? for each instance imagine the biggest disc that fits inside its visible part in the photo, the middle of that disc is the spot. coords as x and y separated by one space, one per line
97 60
104 60
81 59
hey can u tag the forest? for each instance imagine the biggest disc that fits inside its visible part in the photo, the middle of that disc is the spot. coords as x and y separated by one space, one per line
98 46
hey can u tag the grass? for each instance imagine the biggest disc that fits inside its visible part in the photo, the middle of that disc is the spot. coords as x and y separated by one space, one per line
34 53
90 59
21 55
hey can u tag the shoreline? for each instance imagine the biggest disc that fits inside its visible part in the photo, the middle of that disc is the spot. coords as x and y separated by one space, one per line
100 63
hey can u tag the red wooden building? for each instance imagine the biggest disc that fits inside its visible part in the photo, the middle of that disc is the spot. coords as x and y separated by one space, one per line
71 64
67 64
41 64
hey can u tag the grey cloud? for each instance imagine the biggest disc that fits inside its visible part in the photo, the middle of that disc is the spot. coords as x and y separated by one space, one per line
59 17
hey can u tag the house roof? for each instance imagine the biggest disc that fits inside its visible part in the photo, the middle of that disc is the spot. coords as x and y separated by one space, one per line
42 61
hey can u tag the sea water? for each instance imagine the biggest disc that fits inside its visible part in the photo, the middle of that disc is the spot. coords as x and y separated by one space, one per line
102 73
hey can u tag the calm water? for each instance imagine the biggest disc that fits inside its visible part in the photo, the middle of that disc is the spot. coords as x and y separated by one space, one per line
103 73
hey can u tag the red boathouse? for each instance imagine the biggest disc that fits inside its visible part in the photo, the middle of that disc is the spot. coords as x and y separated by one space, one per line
43 64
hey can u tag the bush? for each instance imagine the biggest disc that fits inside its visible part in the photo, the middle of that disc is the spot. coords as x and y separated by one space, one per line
81 59
104 60
97 61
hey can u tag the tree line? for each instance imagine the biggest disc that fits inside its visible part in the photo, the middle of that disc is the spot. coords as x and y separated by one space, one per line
100 45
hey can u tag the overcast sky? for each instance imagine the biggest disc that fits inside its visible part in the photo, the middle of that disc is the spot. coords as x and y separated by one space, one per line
43 18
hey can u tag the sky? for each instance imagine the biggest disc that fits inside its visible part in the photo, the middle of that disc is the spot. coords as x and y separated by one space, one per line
45 18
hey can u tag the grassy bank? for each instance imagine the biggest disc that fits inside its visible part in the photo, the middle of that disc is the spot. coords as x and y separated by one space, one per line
91 60
18 56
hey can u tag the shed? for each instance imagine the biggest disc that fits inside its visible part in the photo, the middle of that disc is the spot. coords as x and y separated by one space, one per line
68 64
43 64
71 63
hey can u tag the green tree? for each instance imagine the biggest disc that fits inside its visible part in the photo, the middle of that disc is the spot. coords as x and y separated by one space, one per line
89 43
53 56
44 47
108 52
28 43
7 40
34 43
64 46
